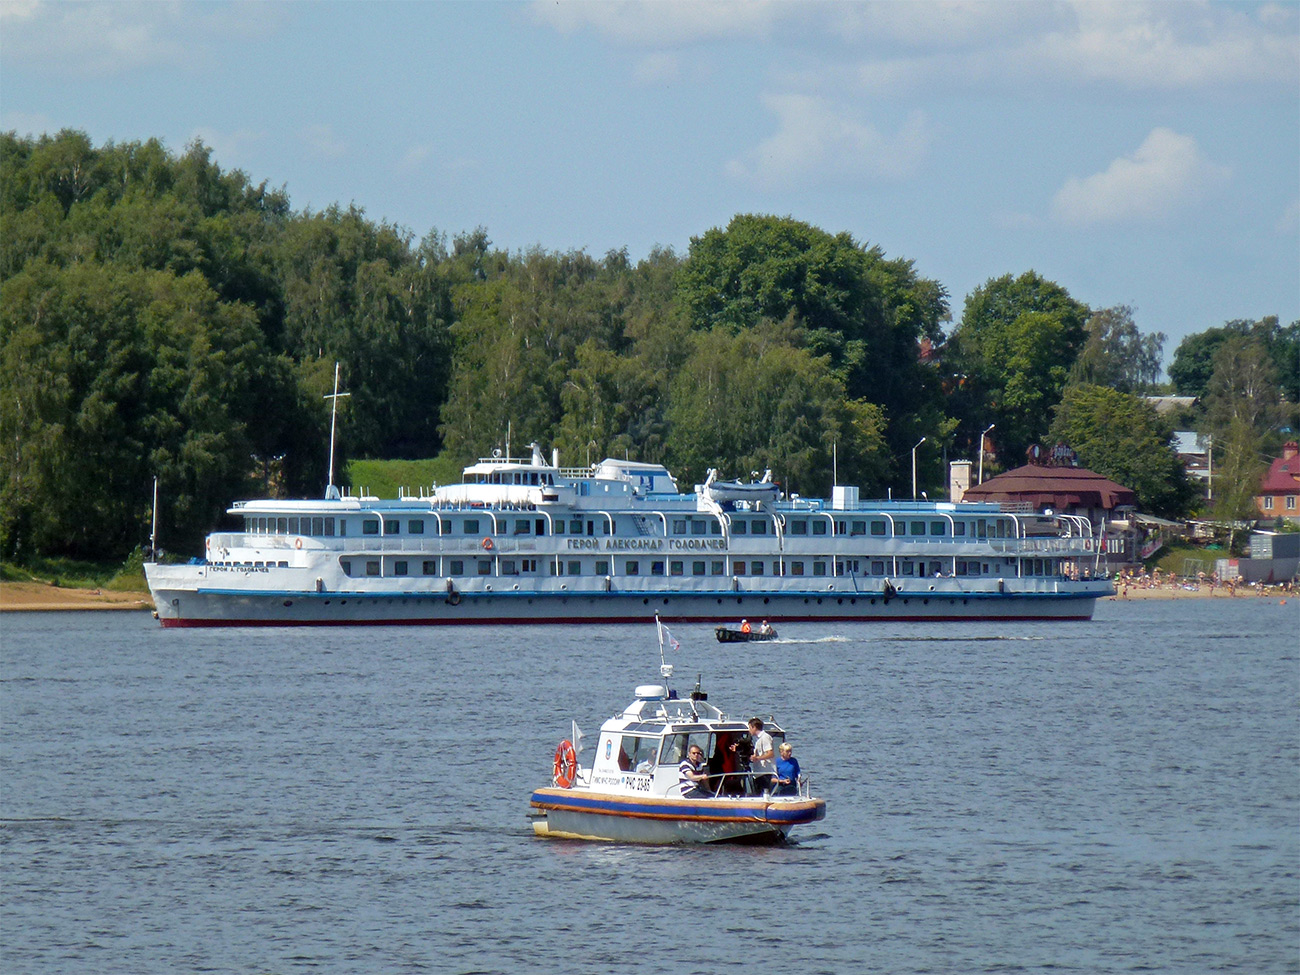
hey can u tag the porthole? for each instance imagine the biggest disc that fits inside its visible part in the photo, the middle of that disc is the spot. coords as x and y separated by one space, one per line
288 602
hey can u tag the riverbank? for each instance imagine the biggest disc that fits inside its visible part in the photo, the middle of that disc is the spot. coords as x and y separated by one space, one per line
34 596
1125 594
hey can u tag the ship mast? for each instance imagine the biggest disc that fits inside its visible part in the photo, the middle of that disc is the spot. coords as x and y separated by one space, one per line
331 492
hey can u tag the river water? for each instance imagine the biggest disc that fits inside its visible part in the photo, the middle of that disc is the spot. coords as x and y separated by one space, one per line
1114 796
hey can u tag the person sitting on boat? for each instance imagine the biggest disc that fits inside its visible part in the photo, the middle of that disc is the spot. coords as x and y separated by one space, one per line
761 762
787 772
765 628
694 775
745 627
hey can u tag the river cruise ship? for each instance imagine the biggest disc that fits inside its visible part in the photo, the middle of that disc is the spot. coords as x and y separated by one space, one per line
522 540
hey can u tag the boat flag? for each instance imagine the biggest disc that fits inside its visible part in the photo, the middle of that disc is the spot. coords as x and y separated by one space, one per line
672 640
577 737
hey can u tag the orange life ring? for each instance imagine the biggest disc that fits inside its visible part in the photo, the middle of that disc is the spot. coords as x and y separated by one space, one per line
487 544
297 543
566 764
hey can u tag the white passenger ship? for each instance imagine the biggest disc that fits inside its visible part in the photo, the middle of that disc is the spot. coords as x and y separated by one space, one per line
526 541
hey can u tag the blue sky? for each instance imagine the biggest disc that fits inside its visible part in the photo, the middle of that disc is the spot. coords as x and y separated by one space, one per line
1135 153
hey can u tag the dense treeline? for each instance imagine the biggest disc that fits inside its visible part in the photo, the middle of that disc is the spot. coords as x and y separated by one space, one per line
161 317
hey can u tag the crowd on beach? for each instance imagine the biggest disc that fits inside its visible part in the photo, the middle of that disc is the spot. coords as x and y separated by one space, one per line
1127 580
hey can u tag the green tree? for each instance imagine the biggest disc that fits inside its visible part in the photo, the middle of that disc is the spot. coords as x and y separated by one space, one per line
1009 359
1243 385
358 293
1121 436
112 376
516 341
756 401
1193 364
864 313
1237 474
1116 354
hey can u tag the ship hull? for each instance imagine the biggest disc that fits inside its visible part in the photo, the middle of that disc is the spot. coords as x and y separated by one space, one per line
186 607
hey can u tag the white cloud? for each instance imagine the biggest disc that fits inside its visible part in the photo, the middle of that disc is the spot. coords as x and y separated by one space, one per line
414 159
1171 46
1289 222
322 141
227 147
657 67
985 45
29 123
665 22
816 142
1167 173
94 39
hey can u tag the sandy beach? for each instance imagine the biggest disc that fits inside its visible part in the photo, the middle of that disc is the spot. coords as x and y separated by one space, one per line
1219 592
19 596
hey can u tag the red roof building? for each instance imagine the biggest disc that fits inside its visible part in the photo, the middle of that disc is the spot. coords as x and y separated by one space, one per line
1279 492
1065 490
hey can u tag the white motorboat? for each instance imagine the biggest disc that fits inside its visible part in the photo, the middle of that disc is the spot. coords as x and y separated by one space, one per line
633 790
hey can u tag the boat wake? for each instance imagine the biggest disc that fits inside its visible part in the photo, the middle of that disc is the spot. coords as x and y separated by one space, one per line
966 639
819 639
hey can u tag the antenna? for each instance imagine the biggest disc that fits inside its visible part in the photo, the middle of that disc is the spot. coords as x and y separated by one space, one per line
330 490
153 532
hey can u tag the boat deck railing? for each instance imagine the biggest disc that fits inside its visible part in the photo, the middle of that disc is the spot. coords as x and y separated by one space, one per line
803 790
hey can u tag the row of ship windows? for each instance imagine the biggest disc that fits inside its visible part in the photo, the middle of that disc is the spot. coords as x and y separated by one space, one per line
879 528
674 567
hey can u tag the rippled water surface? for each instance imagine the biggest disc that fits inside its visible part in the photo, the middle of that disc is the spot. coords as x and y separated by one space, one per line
1113 796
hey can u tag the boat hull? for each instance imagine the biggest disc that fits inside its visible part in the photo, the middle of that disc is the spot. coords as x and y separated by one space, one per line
740 636
197 606
582 814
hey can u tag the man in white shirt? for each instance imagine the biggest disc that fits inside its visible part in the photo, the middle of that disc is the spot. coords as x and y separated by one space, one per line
763 762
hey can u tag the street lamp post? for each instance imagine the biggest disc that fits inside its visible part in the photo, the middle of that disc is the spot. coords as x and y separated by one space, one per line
982 436
918 443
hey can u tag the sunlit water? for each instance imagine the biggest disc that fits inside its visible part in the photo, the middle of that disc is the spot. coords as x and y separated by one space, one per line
1114 796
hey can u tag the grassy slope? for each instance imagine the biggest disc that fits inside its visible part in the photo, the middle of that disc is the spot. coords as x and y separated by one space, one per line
382 478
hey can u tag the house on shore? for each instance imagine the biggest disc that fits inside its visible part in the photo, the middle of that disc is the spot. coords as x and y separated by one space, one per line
1279 491
1052 482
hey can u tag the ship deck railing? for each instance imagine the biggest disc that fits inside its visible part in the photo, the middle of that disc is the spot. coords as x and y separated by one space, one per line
842 546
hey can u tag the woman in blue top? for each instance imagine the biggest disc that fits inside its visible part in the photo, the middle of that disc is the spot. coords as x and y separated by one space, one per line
787 772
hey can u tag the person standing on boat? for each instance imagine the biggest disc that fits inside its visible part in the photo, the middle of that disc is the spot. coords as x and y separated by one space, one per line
762 761
787 772
694 776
